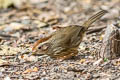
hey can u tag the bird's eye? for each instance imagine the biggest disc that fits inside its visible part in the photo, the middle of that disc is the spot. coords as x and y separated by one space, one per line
39 47
43 47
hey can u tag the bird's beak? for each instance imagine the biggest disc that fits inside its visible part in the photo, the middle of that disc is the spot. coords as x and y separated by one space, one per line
31 53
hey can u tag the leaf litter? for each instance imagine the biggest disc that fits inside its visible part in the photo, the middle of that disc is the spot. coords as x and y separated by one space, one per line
36 20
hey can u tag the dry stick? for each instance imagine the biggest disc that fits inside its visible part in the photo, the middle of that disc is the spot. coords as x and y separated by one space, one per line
8 36
96 29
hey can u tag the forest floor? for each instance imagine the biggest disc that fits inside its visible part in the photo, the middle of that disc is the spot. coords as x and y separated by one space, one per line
20 28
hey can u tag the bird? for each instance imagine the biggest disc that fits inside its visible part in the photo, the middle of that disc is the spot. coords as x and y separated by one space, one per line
64 43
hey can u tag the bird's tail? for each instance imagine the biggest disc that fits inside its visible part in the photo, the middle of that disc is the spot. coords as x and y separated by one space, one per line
92 19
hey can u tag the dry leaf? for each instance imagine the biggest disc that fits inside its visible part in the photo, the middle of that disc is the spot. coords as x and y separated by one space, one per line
82 60
35 69
27 71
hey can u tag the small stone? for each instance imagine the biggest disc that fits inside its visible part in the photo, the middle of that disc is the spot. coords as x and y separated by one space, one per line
97 62
7 78
40 24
